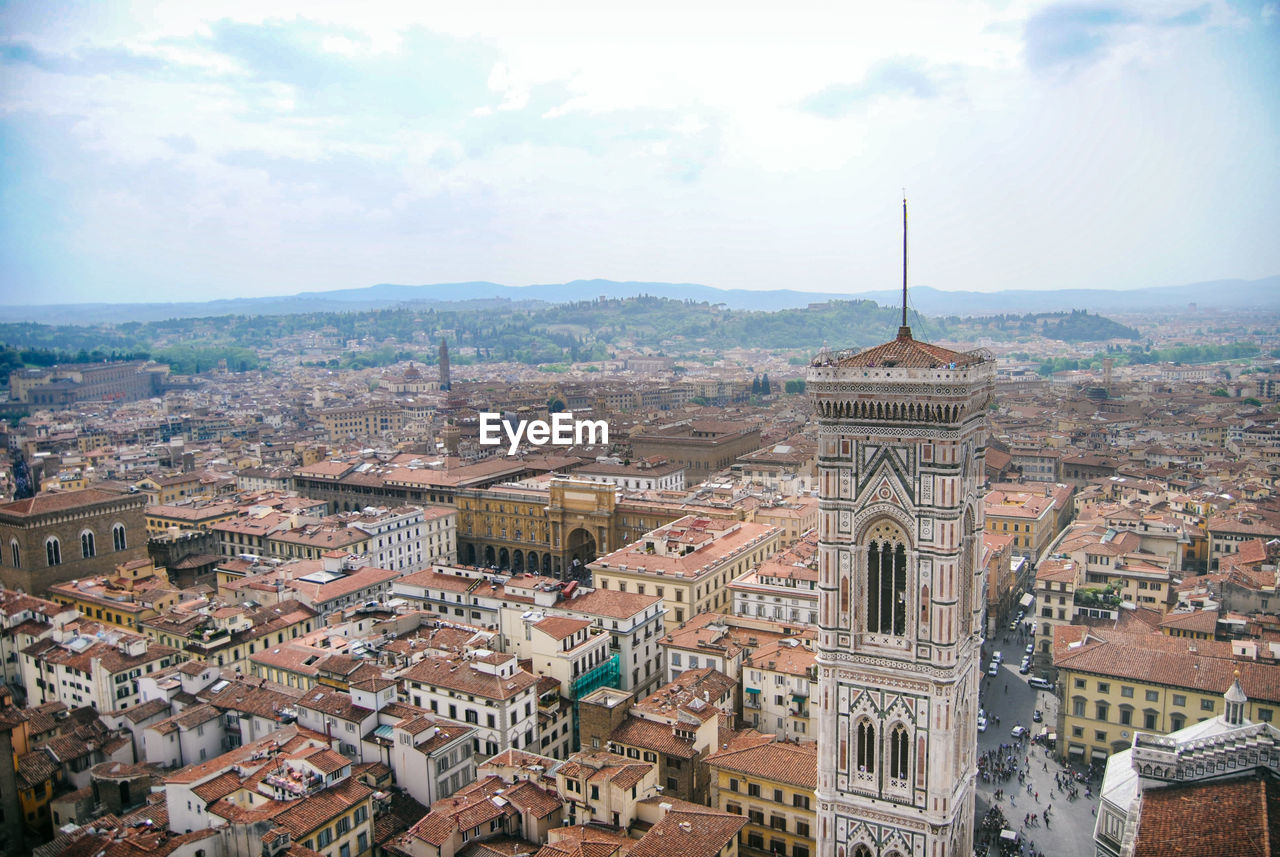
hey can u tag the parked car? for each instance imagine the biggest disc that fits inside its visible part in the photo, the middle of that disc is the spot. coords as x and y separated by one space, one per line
1025 668
1018 731
993 669
1037 716
982 724
1030 648
997 657
1040 683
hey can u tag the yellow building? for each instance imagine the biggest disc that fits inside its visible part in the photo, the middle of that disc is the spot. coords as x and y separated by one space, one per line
162 490
772 785
1111 683
540 528
1032 514
137 591
688 563
795 517
37 774
161 517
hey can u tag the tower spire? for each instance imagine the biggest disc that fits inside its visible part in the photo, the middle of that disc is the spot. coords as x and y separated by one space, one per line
904 332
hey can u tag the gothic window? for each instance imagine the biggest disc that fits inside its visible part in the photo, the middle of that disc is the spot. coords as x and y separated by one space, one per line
886 580
87 548
862 851
117 537
15 553
53 551
866 747
899 751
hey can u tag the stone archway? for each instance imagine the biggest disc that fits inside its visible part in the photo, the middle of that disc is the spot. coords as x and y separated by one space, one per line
580 549
490 560
532 561
517 561
469 555
504 559
546 564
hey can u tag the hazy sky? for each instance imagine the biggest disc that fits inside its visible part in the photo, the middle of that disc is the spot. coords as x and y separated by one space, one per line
192 150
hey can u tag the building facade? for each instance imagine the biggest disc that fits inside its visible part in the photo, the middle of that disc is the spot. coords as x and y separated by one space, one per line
53 538
902 441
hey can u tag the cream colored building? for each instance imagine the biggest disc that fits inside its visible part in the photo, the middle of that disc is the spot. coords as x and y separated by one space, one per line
688 563
778 680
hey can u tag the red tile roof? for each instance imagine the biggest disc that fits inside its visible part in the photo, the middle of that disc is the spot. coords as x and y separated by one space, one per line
908 353
1238 817
689 834
796 764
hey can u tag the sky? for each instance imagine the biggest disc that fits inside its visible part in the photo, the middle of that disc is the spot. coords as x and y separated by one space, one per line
157 151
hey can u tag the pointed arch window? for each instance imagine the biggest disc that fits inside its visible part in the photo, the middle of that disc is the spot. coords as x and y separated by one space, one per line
53 551
117 537
15 553
899 753
88 549
886 582
866 746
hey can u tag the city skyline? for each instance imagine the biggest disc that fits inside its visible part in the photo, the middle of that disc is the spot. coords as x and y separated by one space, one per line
156 151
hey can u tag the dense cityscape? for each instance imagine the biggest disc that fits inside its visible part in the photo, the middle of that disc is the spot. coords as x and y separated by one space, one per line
700 429
298 607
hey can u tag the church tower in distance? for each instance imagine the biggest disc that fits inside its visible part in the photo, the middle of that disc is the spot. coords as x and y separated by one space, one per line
901 596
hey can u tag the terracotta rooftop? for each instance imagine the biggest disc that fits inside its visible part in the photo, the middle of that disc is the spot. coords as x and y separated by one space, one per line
796 764
907 353
1237 817
689 834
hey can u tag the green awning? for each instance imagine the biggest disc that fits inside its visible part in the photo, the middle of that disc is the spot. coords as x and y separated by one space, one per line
751 689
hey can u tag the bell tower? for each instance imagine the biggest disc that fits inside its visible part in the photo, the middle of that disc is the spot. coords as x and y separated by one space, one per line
901 595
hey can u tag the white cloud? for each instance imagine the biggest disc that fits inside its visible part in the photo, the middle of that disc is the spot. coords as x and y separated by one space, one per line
674 142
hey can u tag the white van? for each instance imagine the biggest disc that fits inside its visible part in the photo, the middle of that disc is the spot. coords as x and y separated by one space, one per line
1041 683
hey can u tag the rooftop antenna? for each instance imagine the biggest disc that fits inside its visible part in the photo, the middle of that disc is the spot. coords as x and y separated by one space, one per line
904 332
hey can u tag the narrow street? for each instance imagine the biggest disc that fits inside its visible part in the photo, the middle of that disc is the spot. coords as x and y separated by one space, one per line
1008 697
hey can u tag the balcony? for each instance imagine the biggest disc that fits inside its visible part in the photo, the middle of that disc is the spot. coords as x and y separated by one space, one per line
289 784
208 641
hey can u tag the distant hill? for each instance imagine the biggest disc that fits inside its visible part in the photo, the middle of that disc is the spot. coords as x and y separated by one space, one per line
1223 294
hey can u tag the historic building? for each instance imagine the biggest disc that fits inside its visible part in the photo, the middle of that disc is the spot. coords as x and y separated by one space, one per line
901 595
701 447
53 538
